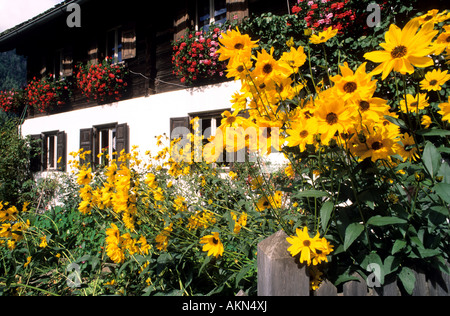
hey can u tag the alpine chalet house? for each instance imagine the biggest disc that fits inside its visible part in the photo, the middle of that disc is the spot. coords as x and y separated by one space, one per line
137 37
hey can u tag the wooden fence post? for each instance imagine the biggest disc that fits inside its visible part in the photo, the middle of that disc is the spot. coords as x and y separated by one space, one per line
279 274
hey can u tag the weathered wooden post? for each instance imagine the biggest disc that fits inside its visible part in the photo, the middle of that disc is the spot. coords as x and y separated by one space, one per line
279 274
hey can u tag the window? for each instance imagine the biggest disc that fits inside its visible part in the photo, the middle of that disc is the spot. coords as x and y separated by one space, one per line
114 45
49 153
106 140
106 144
210 11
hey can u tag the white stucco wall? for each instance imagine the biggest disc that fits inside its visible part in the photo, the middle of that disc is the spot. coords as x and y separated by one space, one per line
146 117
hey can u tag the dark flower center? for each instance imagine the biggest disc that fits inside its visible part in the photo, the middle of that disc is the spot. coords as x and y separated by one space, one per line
306 243
215 241
267 68
433 82
239 46
399 52
377 145
332 118
350 87
304 134
364 105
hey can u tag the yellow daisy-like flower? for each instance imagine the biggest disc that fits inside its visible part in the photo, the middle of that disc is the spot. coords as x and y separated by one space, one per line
445 110
268 70
304 244
414 103
324 36
404 49
236 46
301 133
295 58
332 116
434 80
213 245
426 121
357 83
27 263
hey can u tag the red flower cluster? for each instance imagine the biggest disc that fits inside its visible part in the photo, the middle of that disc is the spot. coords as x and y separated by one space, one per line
326 13
102 82
46 93
194 56
11 101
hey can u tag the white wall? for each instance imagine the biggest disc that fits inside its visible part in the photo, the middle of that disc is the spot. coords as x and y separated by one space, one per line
147 117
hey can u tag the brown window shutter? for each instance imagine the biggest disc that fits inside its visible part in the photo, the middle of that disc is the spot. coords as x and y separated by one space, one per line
181 23
87 143
67 62
36 153
122 138
61 151
237 9
129 43
179 127
93 53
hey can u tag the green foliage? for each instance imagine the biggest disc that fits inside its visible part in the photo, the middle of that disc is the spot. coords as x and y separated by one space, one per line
15 176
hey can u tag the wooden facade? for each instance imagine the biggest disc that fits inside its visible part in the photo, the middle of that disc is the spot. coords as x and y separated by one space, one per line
144 32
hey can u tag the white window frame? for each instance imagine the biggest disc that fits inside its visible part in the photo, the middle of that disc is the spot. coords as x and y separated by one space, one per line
212 11
116 46
51 153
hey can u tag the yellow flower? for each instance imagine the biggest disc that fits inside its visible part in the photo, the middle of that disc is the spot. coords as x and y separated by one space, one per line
332 116
239 69
27 263
295 58
213 245
371 109
381 143
84 176
268 70
408 150
304 244
426 121
236 46
270 201
43 243
445 110
434 80
404 49
301 133
162 240
351 84
324 36
414 103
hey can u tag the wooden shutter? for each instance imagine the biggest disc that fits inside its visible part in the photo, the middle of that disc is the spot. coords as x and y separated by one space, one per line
67 62
179 127
129 43
237 9
181 22
36 153
122 139
87 143
93 53
61 151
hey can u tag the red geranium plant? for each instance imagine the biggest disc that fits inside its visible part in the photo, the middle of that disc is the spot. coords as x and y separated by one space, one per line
102 82
195 56
46 94
321 14
12 101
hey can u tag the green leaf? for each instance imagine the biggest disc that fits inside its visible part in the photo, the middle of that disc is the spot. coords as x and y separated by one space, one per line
433 132
398 245
352 232
443 190
408 279
311 193
385 220
325 213
431 159
242 274
396 121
